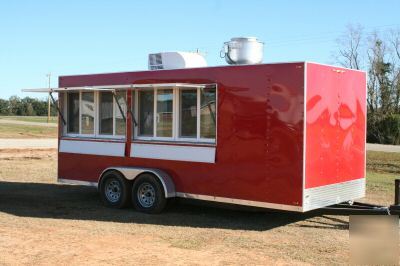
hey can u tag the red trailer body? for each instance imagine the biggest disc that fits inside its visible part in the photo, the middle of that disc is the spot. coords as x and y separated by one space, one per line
289 136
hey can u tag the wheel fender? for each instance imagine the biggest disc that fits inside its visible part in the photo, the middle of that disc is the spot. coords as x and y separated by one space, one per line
131 173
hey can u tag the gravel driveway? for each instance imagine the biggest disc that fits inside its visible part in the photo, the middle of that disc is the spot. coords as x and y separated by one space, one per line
382 147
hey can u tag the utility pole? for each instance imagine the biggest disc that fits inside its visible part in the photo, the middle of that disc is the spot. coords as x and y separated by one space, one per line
48 99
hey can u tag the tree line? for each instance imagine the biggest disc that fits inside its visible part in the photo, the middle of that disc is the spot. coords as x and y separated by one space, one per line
377 53
25 107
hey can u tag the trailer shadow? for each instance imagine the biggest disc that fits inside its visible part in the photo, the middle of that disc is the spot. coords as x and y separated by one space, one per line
40 200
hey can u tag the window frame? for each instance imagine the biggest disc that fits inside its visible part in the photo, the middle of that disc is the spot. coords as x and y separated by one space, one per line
175 117
116 109
178 115
198 111
65 127
136 114
134 93
155 114
80 116
96 133
199 114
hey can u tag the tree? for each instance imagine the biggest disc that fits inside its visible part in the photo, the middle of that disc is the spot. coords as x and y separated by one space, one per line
351 47
395 46
15 105
4 107
29 110
26 106
379 84
40 107
379 55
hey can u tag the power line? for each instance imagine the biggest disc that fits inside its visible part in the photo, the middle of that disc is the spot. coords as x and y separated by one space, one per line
320 37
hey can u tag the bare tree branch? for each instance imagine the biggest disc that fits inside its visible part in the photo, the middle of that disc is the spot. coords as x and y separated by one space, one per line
350 45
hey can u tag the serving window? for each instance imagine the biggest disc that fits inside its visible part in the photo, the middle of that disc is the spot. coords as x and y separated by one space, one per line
87 113
175 114
95 114
184 113
73 113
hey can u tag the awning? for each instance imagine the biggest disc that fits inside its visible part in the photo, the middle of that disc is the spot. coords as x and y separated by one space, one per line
48 90
172 85
119 87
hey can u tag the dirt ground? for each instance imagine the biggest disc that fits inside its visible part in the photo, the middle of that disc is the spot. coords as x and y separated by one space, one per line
45 223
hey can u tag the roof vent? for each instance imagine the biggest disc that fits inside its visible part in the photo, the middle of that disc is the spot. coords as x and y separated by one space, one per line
176 60
155 61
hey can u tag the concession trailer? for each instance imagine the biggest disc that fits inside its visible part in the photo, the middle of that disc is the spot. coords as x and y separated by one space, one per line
287 136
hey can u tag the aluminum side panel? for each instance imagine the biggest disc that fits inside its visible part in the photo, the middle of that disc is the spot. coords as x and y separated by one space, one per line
335 125
323 196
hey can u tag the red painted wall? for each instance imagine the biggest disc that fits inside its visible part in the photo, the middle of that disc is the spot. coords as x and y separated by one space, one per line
259 133
335 125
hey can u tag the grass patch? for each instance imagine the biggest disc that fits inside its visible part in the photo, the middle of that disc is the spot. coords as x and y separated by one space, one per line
382 169
27 131
380 183
380 188
383 162
37 119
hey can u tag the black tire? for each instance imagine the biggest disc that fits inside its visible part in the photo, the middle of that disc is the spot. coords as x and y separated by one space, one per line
115 190
148 194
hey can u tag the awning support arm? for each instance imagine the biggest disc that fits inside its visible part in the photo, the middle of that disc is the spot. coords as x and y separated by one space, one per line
209 107
119 106
58 109
128 109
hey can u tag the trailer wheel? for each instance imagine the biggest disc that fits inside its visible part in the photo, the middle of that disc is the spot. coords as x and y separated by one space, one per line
115 190
148 194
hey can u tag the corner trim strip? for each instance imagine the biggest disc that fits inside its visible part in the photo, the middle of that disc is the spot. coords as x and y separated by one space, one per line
76 182
241 202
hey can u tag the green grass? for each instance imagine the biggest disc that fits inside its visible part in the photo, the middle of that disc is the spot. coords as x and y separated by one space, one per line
382 169
38 119
383 162
379 182
25 131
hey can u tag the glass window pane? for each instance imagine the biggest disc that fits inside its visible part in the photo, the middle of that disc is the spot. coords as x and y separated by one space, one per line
106 113
119 120
146 112
73 112
188 113
164 113
207 113
87 113
133 109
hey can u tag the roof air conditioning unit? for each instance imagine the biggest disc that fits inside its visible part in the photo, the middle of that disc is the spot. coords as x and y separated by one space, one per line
176 60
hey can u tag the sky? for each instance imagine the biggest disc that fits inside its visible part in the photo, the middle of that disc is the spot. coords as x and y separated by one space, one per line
84 37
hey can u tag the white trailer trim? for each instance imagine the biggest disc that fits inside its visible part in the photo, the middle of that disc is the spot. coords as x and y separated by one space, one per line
304 133
327 195
200 197
119 87
241 202
76 182
173 152
66 89
93 147
172 85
